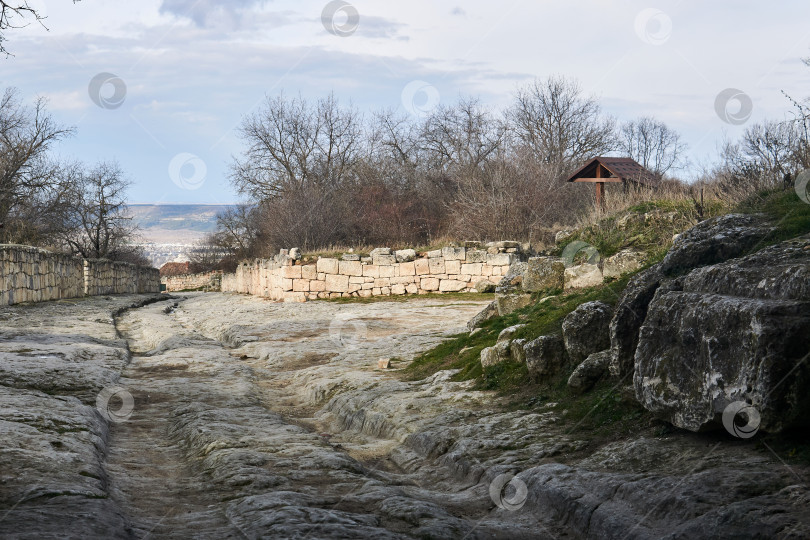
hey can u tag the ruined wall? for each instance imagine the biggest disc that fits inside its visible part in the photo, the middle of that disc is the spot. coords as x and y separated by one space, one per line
29 274
107 277
208 281
453 269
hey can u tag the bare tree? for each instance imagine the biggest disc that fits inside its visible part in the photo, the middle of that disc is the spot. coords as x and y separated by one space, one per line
764 157
292 144
97 225
26 136
653 144
17 14
559 126
462 137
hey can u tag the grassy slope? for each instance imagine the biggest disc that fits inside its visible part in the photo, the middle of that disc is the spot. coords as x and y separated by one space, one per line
604 410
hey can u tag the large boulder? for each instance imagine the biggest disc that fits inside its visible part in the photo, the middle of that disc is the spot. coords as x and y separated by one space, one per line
735 332
588 373
709 242
629 315
545 356
582 276
586 330
495 355
715 240
544 273
508 303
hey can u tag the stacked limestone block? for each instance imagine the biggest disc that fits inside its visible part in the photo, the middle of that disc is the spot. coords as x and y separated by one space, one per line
107 277
208 281
29 274
452 269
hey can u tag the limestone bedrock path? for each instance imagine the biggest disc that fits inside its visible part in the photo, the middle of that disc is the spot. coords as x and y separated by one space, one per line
256 419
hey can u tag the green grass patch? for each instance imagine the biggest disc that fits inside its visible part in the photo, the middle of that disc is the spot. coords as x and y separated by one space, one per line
469 297
648 227
790 215
463 351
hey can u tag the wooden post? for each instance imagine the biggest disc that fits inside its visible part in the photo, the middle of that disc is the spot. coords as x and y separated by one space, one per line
600 190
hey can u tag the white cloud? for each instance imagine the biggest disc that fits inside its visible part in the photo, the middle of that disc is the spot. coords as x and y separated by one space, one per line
192 69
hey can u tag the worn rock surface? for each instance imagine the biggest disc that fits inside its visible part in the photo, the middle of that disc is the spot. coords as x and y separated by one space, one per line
257 419
55 358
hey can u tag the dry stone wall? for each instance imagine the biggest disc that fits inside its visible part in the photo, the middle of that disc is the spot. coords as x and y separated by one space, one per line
385 272
208 281
29 274
107 277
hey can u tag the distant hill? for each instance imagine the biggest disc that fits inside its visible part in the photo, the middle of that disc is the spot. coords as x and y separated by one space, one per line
167 231
175 223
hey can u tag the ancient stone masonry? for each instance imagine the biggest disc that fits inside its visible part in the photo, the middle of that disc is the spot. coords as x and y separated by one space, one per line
384 272
207 281
29 274
107 277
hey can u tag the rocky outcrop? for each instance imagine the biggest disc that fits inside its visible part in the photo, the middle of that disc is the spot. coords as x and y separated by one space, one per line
586 330
629 315
737 331
715 240
710 242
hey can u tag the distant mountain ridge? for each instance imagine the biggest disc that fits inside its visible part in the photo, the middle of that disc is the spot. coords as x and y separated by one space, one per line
167 231
201 218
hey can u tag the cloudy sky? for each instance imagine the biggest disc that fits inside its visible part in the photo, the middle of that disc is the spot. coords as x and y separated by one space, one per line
182 73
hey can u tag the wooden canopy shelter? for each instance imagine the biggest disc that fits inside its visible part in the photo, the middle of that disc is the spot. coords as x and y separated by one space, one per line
601 170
